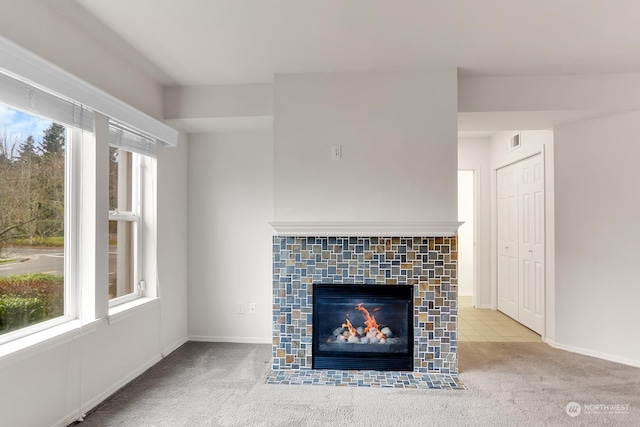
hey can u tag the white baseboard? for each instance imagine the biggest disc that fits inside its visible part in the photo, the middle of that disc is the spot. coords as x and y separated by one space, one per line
91 404
170 349
88 406
239 340
117 386
597 354
485 306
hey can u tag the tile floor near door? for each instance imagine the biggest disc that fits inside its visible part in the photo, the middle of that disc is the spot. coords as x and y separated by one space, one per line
481 324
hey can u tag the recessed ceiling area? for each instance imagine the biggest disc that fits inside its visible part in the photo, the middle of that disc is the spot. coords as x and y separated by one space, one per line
205 42
215 42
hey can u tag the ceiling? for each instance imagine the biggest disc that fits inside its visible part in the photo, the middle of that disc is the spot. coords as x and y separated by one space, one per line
208 42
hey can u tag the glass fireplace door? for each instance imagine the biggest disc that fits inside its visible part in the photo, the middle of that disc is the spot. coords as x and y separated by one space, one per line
362 327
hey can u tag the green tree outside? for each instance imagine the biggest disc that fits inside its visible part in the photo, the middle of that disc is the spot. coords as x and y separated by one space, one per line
32 184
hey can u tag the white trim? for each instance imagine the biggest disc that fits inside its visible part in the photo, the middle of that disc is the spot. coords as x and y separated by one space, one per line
17 351
72 229
235 340
35 328
381 229
23 64
485 306
123 216
173 347
128 309
591 353
124 299
91 404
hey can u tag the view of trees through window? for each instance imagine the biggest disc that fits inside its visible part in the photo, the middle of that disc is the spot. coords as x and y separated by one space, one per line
32 212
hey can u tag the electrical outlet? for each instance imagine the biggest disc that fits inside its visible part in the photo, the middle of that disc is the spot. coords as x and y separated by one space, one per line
252 308
240 308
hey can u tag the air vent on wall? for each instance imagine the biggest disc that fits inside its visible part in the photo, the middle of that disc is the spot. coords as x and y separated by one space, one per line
514 142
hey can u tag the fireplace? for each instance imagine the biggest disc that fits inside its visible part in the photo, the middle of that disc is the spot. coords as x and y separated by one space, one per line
425 264
362 327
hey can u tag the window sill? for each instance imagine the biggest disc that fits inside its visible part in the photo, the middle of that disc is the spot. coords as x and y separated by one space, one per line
128 309
39 342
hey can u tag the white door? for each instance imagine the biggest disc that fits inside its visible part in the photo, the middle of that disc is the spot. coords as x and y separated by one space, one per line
507 242
531 248
520 222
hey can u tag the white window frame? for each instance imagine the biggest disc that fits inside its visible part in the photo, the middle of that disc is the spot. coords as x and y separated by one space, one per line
71 241
135 217
86 216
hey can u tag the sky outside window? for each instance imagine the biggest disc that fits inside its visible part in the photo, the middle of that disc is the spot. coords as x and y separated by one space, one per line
20 125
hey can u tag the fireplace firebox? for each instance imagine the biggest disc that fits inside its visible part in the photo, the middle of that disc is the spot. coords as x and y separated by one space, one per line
363 327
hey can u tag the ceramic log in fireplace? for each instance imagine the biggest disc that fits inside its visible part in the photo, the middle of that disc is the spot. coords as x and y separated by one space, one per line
362 327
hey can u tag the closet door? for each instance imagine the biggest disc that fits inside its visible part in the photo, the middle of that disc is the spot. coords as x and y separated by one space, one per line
521 229
531 242
507 221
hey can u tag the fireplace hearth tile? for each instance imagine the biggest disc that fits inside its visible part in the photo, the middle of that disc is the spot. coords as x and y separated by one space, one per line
427 263
372 379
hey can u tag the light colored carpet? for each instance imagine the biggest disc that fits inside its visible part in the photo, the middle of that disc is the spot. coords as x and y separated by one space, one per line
508 384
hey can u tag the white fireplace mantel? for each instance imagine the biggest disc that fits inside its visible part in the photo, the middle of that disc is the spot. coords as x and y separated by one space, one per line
379 229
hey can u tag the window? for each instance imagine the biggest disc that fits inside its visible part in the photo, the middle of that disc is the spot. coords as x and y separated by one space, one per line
34 180
77 186
130 157
123 226
40 221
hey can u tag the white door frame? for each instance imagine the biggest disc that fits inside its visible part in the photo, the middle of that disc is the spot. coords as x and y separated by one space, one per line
476 234
495 232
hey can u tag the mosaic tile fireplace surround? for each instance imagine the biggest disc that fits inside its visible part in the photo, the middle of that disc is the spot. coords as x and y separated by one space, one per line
427 263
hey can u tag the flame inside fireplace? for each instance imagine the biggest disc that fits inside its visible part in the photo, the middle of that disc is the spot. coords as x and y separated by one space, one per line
371 330
349 326
369 320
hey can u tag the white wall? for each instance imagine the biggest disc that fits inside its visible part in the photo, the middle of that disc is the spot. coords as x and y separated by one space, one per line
172 243
61 376
66 35
398 132
230 207
240 100
598 237
592 234
564 93
474 154
47 385
532 142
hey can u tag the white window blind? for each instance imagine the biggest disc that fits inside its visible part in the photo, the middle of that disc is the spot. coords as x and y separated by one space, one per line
31 99
130 140
17 61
